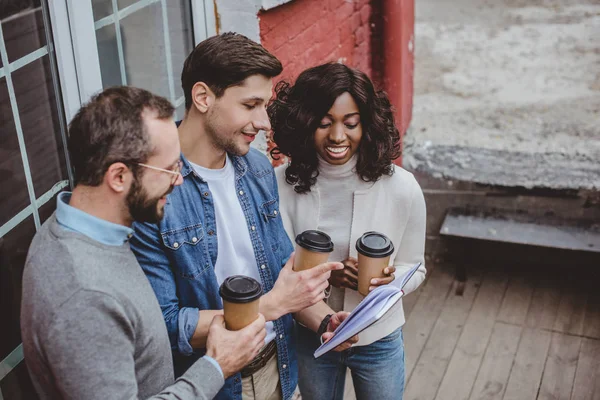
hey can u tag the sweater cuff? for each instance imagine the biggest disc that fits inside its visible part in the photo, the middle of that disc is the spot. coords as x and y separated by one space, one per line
205 377
216 364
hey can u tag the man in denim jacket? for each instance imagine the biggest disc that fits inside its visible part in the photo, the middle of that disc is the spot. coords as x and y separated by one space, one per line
224 220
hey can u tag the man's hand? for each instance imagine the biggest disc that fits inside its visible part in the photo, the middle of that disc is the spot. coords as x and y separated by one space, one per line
294 291
234 349
389 278
334 322
347 277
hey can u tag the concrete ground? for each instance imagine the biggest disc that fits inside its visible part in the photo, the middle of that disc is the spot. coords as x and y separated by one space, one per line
507 92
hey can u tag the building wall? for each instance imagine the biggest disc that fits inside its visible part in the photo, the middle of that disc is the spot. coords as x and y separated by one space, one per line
304 33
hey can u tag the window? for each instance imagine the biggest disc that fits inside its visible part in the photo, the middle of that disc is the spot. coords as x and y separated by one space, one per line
33 164
144 43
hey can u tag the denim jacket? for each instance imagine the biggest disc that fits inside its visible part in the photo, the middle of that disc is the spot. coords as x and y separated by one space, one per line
179 254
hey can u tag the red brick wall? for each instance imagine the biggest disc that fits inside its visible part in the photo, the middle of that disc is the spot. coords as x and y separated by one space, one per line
304 33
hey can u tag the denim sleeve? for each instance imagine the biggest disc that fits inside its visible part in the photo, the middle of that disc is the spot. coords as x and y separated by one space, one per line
181 321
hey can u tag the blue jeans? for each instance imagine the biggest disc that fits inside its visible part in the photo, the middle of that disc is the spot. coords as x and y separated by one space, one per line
377 369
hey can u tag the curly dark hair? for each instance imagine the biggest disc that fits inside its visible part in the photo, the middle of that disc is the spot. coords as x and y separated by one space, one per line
298 110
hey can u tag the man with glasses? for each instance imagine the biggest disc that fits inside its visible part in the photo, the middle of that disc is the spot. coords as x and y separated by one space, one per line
224 220
174 171
91 325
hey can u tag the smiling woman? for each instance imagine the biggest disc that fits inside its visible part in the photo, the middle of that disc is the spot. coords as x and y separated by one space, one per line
341 137
333 106
338 136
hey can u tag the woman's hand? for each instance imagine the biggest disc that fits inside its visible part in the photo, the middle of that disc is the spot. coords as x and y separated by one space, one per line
334 322
389 277
347 277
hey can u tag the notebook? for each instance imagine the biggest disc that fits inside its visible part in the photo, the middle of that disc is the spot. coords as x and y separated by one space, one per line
369 311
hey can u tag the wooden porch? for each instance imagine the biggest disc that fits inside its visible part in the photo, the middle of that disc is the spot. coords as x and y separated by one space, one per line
518 333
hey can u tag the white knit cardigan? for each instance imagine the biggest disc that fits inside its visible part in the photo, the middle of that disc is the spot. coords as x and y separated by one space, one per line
394 206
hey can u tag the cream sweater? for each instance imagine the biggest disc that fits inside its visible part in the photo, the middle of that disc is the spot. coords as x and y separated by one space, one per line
341 182
394 206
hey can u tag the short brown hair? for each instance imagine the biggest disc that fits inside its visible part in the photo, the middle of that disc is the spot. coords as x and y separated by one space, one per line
110 128
226 60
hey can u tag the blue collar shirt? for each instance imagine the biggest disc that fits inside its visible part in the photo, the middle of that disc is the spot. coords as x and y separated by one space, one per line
100 230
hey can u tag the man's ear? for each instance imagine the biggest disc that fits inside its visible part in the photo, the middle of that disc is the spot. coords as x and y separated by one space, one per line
118 177
202 97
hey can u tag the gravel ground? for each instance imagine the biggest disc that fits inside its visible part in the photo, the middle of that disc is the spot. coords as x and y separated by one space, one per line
507 92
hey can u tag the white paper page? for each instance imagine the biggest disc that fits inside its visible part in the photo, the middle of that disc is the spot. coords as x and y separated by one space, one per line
374 306
406 277
369 310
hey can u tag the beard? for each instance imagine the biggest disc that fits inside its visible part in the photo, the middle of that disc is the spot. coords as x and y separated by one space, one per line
230 143
142 207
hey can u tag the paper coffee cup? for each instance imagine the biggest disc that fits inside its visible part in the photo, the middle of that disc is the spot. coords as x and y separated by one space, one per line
374 251
241 298
312 248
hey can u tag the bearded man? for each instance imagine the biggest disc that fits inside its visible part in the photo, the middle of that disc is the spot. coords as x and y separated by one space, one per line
92 327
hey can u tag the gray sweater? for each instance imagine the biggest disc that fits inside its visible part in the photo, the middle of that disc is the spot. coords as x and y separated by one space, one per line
92 327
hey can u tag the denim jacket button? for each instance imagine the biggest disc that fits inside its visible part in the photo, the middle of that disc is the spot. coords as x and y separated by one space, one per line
241 192
194 239
280 336
263 266
275 212
176 245
284 366
253 228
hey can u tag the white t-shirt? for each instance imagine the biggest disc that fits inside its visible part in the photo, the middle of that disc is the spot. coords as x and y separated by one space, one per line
235 253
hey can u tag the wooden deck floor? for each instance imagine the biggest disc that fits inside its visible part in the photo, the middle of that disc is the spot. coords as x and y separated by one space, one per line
517 333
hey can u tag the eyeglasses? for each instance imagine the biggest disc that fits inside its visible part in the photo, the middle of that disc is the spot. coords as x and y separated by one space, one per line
175 171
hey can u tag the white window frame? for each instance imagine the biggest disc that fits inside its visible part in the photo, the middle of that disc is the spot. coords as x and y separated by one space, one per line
35 202
85 51
204 19
11 361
